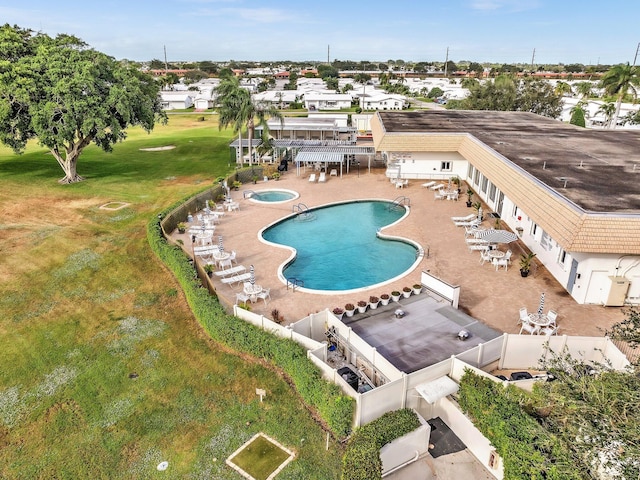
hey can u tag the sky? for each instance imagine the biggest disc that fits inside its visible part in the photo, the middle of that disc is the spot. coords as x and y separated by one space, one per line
500 31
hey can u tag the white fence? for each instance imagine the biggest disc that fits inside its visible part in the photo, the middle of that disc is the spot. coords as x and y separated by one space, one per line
449 292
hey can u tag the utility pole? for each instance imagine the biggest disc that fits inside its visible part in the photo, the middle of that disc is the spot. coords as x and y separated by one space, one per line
166 68
328 54
636 57
533 58
446 63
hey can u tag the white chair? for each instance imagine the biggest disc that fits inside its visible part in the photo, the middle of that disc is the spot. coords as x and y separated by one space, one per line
225 264
322 177
501 262
264 294
552 315
232 257
241 297
438 196
548 330
466 218
470 223
484 257
524 316
333 172
312 177
529 327
507 256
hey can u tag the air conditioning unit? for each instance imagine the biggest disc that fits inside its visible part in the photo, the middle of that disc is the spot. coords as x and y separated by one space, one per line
618 289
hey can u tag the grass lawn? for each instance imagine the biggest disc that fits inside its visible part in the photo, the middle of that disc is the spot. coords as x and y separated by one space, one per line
260 458
105 373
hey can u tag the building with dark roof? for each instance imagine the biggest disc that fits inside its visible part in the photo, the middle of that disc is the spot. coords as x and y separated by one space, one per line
571 193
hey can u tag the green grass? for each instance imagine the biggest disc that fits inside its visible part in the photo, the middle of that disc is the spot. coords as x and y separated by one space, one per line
260 458
105 372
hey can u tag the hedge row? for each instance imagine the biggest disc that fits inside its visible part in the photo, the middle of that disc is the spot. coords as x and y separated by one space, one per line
334 407
528 450
361 460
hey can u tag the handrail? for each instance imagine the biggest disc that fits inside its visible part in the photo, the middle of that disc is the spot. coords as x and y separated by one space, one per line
300 208
248 194
295 283
401 200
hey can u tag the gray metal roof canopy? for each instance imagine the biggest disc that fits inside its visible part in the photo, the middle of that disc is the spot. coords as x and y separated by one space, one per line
330 154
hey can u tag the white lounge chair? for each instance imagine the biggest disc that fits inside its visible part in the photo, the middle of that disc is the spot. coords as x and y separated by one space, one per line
466 218
312 177
322 177
478 247
230 271
470 223
437 187
236 278
428 184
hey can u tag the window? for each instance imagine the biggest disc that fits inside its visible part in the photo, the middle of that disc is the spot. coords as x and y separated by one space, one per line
470 169
445 166
534 229
484 184
476 179
492 191
562 258
515 211
545 241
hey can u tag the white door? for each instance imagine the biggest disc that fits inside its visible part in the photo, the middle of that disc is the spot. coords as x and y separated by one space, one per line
598 287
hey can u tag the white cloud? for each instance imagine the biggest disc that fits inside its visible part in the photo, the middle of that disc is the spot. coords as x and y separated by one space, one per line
508 5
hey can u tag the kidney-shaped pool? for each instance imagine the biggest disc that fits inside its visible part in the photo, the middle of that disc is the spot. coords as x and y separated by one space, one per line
338 247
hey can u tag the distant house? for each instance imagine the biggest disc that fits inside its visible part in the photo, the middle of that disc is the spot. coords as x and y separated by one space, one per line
278 98
384 101
326 101
172 100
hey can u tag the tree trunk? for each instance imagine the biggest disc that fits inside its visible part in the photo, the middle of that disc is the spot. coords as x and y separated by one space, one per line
614 121
68 165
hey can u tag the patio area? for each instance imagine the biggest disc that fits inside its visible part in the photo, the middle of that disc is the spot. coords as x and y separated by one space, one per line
490 296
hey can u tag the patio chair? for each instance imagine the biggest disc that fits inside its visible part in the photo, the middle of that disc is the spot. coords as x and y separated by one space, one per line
524 316
548 330
552 315
437 187
470 223
484 257
428 184
438 196
232 257
322 177
241 297
333 172
236 278
312 177
501 262
529 327
264 294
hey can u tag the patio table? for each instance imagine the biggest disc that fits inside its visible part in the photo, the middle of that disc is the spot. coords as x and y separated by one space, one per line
252 291
539 319
496 254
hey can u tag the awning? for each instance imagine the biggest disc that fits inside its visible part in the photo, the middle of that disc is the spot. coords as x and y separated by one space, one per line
322 157
437 389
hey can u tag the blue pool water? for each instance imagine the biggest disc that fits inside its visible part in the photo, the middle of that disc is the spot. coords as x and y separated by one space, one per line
273 196
337 247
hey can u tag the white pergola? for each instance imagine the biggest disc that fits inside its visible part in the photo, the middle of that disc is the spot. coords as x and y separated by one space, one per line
326 155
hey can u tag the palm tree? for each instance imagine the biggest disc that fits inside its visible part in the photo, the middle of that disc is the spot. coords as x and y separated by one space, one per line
563 88
618 81
238 109
584 89
609 111
233 101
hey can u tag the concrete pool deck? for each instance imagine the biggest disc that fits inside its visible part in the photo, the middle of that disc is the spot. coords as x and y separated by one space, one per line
490 296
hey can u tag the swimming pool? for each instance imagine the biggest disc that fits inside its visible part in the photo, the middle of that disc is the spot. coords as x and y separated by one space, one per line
273 195
338 247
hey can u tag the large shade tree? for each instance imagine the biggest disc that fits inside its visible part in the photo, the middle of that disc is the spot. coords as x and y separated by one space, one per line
69 96
618 81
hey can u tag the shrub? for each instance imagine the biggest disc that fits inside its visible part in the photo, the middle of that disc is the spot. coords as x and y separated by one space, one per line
373 299
349 306
361 460
288 356
338 311
385 296
362 303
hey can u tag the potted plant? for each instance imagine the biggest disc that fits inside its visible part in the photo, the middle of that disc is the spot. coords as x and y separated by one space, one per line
236 184
525 263
417 288
373 302
395 295
349 308
338 312
182 227
362 306
255 179
276 175
469 197
209 269
406 292
384 299
456 182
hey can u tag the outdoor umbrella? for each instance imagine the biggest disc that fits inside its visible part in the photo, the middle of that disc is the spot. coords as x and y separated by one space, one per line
480 214
220 246
541 307
497 236
252 275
